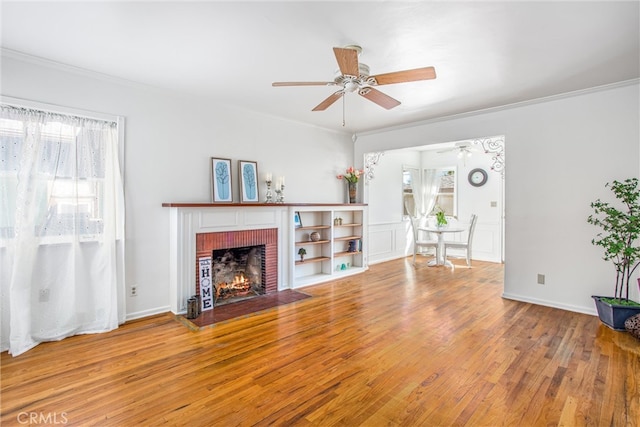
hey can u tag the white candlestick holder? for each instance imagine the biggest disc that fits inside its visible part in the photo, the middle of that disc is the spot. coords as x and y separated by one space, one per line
269 194
280 194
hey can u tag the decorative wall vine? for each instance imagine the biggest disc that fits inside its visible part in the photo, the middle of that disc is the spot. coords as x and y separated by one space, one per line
370 161
494 146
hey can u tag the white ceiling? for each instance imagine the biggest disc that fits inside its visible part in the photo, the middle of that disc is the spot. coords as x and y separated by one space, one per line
486 54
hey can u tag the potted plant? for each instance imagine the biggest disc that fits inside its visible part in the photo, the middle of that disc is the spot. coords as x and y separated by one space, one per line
441 219
302 252
620 228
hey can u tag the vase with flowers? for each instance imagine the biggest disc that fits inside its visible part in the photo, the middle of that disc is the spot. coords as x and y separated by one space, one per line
352 176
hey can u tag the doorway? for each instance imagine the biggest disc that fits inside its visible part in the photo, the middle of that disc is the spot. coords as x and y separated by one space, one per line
388 218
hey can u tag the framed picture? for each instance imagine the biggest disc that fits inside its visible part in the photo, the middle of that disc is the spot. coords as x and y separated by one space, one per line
296 220
248 181
221 180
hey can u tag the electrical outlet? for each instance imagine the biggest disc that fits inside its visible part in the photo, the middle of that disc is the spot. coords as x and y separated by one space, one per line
43 295
541 279
134 291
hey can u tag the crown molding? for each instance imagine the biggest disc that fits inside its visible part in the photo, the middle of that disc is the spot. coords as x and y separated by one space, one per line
504 107
14 54
37 60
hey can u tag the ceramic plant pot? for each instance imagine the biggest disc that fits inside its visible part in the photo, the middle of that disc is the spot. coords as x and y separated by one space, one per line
614 315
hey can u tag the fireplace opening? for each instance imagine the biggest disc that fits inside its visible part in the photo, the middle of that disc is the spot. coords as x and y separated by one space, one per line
238 273
233 258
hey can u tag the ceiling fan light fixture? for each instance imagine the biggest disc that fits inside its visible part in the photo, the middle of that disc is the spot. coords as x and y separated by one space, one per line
351 86
464 152
340 78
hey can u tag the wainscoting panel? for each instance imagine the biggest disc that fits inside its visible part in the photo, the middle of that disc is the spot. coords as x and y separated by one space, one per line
387 242
393 240
486 242
214 218
260 217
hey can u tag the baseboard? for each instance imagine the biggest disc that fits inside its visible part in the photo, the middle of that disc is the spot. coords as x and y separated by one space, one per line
553 304
385 259
147 313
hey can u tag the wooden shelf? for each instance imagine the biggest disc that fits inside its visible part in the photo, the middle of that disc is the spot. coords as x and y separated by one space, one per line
346 253
347 238
348 225
311 242
312 260
314 227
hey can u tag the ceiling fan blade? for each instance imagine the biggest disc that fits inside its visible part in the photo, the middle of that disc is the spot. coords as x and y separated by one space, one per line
425 73
327 102
277 84
385 101
347 61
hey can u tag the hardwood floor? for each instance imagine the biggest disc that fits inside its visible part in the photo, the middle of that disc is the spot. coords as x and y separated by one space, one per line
396 346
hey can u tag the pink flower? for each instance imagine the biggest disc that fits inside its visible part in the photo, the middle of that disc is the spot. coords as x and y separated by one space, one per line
352 174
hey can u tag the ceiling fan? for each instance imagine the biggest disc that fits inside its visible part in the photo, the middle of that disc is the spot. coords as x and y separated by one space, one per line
464 149
353 76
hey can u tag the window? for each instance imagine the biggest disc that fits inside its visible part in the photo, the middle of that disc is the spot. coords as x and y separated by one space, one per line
67 175
446 195
410 190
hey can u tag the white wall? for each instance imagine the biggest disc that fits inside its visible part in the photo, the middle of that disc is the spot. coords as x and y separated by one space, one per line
168 143
389 236
559 154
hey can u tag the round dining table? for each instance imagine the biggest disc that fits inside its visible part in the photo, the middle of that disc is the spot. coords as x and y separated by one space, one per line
440 231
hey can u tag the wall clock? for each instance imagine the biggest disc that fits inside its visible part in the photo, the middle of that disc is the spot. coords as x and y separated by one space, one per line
477 177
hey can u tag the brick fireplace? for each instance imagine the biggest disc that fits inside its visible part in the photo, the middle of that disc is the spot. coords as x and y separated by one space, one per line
207 243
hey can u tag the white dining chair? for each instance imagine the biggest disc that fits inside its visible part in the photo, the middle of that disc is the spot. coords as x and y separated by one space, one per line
464 245
421 240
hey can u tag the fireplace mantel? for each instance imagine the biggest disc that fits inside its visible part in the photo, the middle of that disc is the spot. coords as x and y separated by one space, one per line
187 220
252 205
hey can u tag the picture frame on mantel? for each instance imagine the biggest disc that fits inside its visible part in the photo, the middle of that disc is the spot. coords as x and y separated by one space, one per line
221 185
248 172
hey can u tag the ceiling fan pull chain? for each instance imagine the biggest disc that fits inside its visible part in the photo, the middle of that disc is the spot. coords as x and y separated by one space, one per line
343 109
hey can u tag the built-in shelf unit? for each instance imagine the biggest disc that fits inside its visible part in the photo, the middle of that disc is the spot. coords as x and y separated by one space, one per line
339 250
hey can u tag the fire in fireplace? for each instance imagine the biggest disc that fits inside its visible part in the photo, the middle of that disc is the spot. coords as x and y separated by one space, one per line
238 273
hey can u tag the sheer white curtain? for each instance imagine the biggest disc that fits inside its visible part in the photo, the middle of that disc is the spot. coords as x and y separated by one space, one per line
430 190
61 226
417 190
